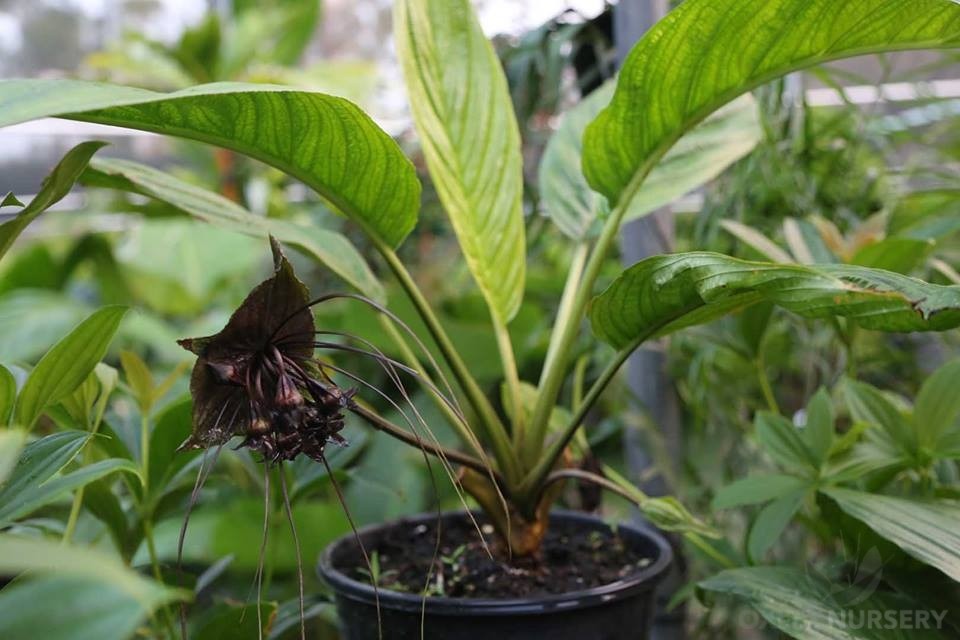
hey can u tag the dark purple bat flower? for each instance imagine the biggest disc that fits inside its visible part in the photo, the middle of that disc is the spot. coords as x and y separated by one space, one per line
258 377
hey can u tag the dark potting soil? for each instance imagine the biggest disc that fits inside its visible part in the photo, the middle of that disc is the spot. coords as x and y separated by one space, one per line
572 559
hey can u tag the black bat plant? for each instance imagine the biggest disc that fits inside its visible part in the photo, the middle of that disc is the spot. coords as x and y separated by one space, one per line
259 378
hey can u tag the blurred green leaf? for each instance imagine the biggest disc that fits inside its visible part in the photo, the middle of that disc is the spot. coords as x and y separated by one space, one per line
782 441
324 141
927 530
757 489
8 394
86 609
12 442
102 502
463 113
139 379
867 404
937 404
699 157
96 596
328 247
227 622
31 320
819 431
171 429
67 364
54 188
771 521
901 255
805 607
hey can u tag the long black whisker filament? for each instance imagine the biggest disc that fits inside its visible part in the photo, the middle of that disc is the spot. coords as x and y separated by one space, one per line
296 547
356 534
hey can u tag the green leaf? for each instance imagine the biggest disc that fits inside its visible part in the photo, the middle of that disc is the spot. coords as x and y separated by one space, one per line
819 431
771 521
927 530
902 255
171 428
324 141
662 294
55 187
68 364
10 200
464 116
757 241
808 607
11 444
8 394
328 247
757 489
38 462
868 404
139 379
699 58
937 404
97 597
227 622
37 496
781 439
699 157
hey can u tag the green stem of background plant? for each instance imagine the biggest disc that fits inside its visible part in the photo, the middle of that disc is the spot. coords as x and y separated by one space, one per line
511 377
493 427
765 387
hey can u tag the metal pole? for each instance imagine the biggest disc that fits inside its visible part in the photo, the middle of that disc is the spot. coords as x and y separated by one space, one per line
646 369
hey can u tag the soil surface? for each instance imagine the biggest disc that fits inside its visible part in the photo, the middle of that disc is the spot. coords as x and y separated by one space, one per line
572 559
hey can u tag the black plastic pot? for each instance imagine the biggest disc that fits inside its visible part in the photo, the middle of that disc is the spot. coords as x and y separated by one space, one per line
622 610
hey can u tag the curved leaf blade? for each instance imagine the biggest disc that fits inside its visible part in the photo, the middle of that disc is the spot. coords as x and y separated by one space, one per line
39 461
64 367
663 294
11 444
937 405
8 394
927 530
700 156
55 187
324 141
328 247
807 607
464 116
697 59
37 496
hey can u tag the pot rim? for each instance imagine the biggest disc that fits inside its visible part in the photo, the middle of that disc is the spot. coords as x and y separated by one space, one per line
643 580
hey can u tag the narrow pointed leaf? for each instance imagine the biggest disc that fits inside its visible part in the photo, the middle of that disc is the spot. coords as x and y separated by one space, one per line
67 364
771 521
927 530
11 444
703 154
328 247
39 461
937 405
782 441
324 141
868 404
757 489
8 394
807 607
464 116
818 432
662 294
698 59
55 187
10 200
37 496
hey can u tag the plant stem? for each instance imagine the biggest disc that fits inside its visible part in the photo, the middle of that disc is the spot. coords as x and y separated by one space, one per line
566 303
145 451
382 424
547 460
495 431
553 375
765 386
512 378
157 574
